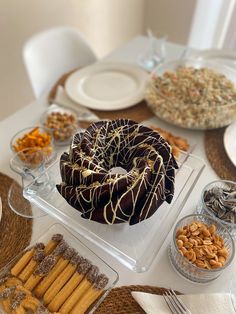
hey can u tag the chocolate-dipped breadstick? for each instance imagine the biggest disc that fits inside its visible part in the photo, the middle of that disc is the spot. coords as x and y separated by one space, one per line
71 258
90 295
70 286
84 285
42 270
24 260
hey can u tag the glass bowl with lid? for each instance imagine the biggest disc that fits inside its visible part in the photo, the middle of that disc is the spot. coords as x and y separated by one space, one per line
218 199
195 94
205 253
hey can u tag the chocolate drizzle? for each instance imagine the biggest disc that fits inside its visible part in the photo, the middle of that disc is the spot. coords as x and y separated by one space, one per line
45 266
83 266
101 282
92 274
39 246
69 253
61 247
18 297
76 259
90 187
7 292
38 255
57 237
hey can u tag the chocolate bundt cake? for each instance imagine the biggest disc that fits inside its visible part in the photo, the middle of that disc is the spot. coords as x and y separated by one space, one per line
100 195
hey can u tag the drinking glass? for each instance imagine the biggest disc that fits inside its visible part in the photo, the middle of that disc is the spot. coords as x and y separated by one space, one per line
155 52
29 164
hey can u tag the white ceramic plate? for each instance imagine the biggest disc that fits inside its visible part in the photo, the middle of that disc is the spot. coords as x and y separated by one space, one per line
230 142
107 86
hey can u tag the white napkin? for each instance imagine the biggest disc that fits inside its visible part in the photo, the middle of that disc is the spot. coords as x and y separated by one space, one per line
215 303
63 100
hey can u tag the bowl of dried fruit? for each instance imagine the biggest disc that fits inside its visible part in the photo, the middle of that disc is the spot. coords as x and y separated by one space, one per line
33 139
194 94
201 248
218 199
63 122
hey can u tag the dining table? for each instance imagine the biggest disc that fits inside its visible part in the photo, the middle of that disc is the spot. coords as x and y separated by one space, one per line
161 273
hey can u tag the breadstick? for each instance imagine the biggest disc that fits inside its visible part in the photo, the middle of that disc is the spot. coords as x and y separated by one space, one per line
24 260
85 284
56 238
38 256
5 298
30 304
41 271
69 287
19 310
61 247
58 277
91 295
59 267
13 281
16 302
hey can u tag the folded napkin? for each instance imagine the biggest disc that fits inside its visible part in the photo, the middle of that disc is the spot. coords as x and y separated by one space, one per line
215 303
62 99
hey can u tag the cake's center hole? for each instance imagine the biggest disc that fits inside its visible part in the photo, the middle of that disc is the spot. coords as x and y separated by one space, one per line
118 170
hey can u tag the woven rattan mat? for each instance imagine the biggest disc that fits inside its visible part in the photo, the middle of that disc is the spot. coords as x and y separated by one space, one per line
15 231
138 112
120 300
214 147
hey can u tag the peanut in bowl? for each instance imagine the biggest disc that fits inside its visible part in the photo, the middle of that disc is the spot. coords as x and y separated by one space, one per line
201 248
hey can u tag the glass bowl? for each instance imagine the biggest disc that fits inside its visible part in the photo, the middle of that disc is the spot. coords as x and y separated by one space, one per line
214 206
34 138
190 270
62 122
192 106
76 243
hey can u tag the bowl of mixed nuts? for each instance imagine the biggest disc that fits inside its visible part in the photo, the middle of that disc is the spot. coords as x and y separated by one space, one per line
63 122
201 248
193 94
218 199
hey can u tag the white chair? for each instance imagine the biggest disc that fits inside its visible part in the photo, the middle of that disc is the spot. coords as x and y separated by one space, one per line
50 54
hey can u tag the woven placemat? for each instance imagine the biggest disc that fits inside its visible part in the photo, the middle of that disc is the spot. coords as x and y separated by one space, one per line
216 154
15 231
138 112
120 300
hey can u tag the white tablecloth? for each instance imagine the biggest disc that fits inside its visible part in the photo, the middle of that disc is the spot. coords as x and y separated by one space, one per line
161 272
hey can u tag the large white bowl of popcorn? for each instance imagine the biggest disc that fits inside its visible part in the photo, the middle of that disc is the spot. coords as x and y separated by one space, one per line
193 94
201 248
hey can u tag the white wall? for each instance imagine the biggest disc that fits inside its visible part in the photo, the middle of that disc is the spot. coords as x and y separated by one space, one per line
105 23
173 17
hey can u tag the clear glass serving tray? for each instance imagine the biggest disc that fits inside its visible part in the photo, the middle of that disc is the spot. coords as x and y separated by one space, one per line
135 246
83 250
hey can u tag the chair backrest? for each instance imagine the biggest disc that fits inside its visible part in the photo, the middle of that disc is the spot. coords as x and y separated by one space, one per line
50 54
